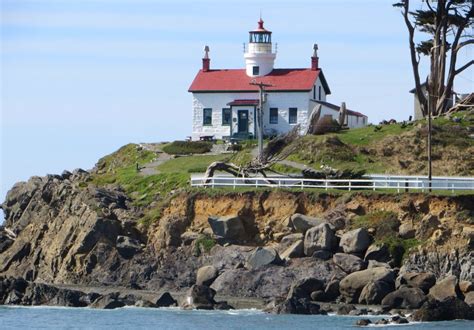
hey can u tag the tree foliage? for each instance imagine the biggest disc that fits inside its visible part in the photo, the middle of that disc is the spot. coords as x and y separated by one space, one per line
446 24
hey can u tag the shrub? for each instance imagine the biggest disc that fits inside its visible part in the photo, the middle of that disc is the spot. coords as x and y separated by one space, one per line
187 147
203 244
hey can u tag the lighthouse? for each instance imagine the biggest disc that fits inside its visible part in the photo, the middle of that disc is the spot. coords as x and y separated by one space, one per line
259 58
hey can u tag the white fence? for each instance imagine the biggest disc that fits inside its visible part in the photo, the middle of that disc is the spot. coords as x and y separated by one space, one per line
373 183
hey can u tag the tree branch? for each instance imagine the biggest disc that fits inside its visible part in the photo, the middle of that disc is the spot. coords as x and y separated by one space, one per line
464 43
464 67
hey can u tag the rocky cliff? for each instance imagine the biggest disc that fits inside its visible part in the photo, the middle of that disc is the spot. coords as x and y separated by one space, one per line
62 229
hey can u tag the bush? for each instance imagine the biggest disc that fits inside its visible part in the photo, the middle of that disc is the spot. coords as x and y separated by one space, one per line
326 125
187 147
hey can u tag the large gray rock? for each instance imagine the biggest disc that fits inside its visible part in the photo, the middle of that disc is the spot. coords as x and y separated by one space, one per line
230 227
423 281
349 263
377 252
206 275
127 246
288 241
355 241
165 300
404 297
301 223
352 285
263 256
200 297
321 237
449 309
448 287
304 287
109 301
296 250
469 298
374 292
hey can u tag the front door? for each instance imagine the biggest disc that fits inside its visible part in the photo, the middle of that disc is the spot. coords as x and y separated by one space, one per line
243 121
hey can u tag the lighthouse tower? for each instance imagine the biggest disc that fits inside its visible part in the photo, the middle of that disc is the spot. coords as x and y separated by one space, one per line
259 58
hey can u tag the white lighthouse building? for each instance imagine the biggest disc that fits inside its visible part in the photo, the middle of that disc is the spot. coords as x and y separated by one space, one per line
225 101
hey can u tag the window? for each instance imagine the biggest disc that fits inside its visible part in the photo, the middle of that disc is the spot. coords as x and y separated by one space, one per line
314 92
226 117
293 116
207 117
255 70
319 91
273 115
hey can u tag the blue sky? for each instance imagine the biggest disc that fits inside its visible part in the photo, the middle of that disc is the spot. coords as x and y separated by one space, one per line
81 78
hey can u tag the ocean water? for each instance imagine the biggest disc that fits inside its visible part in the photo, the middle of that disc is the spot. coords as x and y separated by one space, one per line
173 318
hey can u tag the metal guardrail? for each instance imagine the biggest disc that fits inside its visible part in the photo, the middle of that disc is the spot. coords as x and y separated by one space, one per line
406 183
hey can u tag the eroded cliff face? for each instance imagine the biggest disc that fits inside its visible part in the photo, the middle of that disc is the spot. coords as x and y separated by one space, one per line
62 229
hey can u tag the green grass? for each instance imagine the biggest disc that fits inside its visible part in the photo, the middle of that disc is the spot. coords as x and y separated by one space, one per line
204 244
366 135
190 164
128 155
187 147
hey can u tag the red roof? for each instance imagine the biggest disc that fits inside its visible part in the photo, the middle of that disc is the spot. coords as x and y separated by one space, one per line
236 80
244 102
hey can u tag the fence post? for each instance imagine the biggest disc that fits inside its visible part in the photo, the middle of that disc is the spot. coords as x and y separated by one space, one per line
326 184
234 183
213 182
349 185
452 188
398 186
302 184
373 185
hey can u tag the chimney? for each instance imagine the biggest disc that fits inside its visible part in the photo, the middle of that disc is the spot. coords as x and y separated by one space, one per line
315 58
206 61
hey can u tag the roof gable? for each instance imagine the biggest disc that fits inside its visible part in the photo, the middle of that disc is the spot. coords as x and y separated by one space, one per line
236 80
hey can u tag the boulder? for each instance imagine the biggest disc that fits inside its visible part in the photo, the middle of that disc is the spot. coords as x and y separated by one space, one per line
109 301
423 281
301 306
165 300
230 227
263 256
355 241
127 246
427 226
322 254
466 286
377 252
352 285
223 306
406 230
446 288
363 322
469 298
206 275
404 297
345 309
451 308
301 223
348 262
321 237
318 296
331 291
200 297
374 264
296 250
304 287
374 292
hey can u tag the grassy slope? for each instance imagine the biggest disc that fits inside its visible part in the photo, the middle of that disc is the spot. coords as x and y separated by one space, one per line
393 149
365 148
